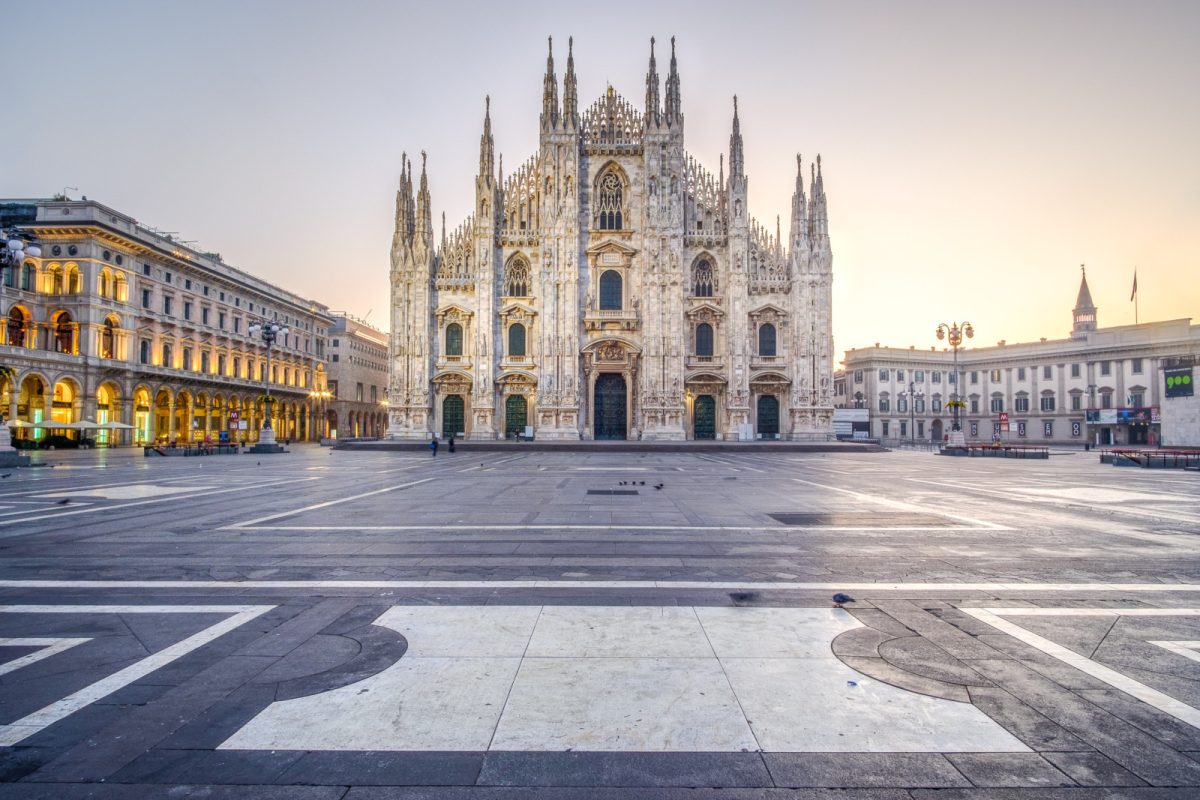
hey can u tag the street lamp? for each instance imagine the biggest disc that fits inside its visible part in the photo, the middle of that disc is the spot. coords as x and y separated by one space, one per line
913 394
15 247
269 332
955 333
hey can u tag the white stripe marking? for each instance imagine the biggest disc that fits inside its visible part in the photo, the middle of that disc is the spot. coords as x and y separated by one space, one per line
1163 702
39 720
326 504
1186 649
172 498
49 647
616 584
897 504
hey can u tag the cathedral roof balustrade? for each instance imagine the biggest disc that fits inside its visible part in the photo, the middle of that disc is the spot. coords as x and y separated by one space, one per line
612 125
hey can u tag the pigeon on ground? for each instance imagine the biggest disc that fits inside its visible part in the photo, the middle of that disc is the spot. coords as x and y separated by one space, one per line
6 475
64 501
841 597
658 485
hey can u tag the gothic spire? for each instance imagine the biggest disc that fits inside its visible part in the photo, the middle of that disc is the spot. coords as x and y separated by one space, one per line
674 114
799 207
570 88
550 91
737 164
424 226
487 147
652 108
403 230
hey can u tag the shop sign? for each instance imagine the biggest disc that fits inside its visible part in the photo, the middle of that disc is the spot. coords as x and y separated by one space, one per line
1179 382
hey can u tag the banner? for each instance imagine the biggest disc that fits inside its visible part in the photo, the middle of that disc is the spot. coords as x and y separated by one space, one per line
1179 382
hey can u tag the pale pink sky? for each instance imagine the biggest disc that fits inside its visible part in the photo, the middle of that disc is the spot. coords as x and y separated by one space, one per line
975 154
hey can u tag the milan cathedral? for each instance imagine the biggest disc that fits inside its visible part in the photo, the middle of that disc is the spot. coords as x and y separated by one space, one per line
610 287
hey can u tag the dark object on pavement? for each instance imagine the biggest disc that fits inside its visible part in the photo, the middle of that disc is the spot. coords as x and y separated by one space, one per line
64 501
842 598
659 485
743 597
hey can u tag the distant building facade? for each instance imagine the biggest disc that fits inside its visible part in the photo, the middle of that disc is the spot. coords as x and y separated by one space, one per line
357 379
611 287
117 323
1102 386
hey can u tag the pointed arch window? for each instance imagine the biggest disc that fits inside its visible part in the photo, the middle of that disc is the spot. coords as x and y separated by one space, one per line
516 278
454 339
704 279
609 207
516 340
704 339
766 339
610 291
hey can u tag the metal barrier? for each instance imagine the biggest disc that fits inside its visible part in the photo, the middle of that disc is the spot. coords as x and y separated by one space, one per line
1151 458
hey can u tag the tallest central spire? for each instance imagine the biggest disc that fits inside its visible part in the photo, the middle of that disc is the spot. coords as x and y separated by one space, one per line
550 91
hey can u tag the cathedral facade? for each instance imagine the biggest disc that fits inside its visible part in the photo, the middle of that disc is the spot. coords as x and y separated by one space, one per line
610 287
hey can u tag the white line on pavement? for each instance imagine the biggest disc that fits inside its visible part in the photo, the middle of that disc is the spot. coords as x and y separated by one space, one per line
1180 710
848 586
898 504
174 497
326 504
39 720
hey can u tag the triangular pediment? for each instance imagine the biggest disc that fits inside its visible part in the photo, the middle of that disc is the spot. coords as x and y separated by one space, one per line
517 306
705 310
768 310
454 311
611 246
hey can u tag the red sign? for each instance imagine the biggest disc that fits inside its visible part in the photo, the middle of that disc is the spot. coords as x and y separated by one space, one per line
234 416
1004 421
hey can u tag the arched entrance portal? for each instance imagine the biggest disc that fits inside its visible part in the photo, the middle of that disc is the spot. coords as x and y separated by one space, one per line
453 413
611 418
704 417
516 415
935 430
768 416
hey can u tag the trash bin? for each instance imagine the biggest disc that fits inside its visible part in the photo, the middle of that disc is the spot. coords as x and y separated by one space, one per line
1087 446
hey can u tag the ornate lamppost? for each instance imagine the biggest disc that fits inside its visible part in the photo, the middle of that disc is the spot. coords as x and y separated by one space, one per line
269 332
15 247
912 394
955 333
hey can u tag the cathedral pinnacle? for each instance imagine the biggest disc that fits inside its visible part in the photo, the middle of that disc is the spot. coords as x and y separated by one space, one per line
570 88
486 145
550 91
652 108
736 159
673 112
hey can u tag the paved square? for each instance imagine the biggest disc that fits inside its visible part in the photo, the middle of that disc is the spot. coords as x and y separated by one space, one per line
525 620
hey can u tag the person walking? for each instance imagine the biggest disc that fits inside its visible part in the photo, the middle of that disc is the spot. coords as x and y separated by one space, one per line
433 446
450 443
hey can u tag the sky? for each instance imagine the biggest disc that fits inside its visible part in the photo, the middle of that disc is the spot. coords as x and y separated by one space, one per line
975 154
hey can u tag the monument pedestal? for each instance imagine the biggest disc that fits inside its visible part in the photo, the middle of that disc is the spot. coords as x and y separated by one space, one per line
9 455
266 443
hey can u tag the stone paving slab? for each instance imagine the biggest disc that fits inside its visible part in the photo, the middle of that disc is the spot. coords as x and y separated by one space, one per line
337 542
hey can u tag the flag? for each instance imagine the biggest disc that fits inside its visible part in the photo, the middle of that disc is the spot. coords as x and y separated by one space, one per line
1133 294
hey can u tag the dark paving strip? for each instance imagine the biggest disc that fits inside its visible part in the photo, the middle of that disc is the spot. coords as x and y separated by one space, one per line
624 769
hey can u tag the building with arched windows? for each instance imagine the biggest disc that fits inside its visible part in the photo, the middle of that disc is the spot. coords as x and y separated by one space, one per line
611 287
118 323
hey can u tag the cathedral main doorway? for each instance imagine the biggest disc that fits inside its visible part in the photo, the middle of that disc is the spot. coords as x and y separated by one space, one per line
768 416
453 415
610 406
704 417
516 416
